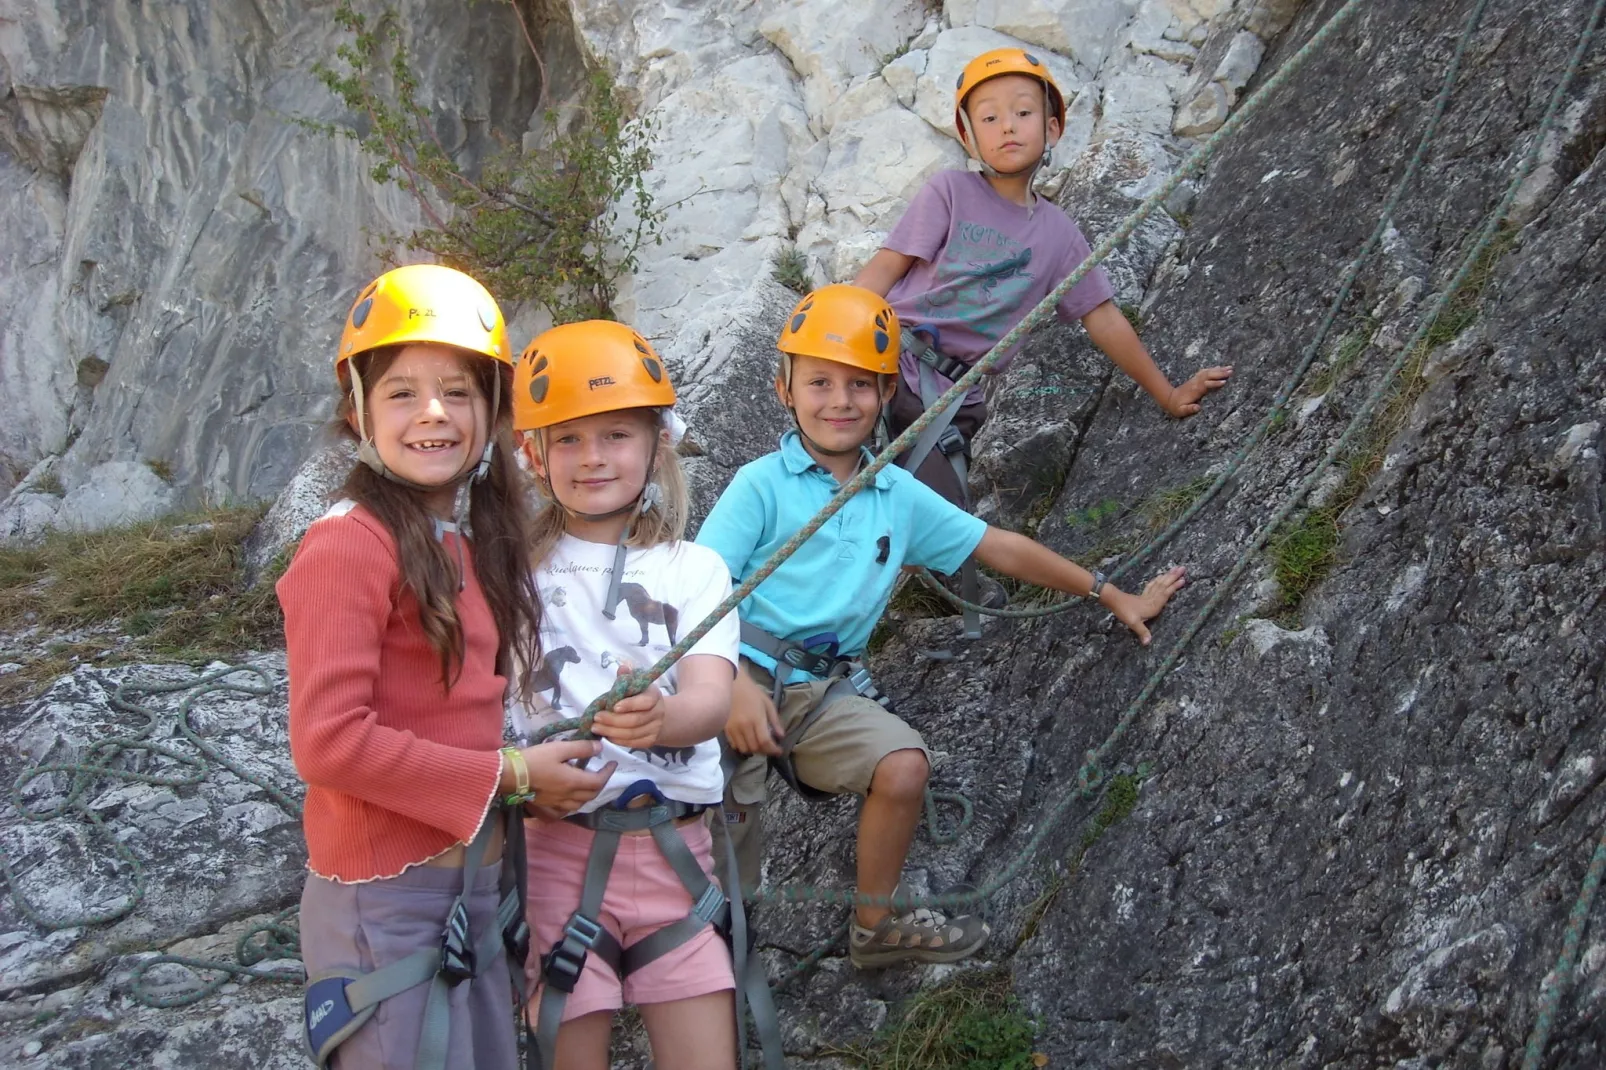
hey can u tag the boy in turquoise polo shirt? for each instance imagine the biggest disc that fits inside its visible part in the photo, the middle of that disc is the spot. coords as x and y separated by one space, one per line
804 701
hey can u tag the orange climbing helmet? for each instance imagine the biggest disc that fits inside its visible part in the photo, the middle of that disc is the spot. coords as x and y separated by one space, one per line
424 303
581 369
847 324
1001 61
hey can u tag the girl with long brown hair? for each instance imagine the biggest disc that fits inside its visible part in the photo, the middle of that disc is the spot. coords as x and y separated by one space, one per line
406 609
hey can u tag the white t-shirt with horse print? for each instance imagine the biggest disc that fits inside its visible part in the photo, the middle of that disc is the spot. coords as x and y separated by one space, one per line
666 591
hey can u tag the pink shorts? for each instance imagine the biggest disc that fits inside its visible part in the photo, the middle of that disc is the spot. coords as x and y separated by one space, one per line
643 896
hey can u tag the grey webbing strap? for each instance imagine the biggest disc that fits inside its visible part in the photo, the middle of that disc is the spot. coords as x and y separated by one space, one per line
709 905
511 924
581 936
927 439
437 1026
752 984
394 978
969 585
610 604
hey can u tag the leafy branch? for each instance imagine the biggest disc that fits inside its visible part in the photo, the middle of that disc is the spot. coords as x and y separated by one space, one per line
540 225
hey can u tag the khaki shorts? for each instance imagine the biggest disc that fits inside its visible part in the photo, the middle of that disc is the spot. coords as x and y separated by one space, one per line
839 752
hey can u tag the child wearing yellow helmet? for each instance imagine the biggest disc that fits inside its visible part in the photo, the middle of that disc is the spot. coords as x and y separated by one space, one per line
805 703
402 625
974 253
622 903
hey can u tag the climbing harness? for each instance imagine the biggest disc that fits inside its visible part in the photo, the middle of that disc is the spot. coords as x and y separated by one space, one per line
819 656
338 1002
941 435
584 934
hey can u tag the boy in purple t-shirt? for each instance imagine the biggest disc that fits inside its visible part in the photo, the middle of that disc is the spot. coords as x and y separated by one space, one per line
975 252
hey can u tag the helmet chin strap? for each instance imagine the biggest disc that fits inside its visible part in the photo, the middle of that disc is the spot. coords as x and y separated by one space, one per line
649 497
474 471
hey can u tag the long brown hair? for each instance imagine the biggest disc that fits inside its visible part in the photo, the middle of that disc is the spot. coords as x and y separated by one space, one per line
499 515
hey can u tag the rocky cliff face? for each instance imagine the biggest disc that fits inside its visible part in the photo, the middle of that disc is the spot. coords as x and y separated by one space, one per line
1361 815
177 249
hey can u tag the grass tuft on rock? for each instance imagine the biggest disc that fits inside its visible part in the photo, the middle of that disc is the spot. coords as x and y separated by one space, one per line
972 1023
172 589
790 268
1303 552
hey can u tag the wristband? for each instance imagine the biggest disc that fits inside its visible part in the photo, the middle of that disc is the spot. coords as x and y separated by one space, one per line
1098 584
521 770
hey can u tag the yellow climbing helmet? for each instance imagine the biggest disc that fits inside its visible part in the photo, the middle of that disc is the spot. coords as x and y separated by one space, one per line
581 369
1001 61
847 324
424 303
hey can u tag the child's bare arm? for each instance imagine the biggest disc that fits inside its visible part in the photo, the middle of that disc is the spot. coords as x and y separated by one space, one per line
701 702
1109 329
1020 557
885 268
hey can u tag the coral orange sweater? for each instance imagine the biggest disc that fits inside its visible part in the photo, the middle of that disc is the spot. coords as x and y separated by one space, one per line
398 769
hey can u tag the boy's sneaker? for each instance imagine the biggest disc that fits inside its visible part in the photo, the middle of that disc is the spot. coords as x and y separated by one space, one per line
921 935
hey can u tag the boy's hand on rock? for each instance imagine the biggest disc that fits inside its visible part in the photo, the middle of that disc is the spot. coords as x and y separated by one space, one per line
1184 399
635 721
753 726
561 788
1133 609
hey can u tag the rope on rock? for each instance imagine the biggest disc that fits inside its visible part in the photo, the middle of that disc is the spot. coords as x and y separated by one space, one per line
1560 979
109 759
1556 983
1279 405
636 682
104 764
281 941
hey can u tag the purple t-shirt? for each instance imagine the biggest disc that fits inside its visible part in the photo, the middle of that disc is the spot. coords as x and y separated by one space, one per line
981 264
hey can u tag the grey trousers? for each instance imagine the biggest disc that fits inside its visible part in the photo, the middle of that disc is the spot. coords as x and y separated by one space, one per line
372 925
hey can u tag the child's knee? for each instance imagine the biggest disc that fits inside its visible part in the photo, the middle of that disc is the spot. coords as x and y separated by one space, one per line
901 775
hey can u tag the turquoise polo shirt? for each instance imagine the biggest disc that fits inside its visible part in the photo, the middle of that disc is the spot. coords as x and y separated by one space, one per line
841 578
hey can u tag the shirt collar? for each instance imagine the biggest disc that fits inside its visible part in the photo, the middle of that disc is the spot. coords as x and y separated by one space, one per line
798 461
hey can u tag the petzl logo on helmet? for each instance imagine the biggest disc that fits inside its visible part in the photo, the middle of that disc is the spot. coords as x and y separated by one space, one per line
420 313
601 380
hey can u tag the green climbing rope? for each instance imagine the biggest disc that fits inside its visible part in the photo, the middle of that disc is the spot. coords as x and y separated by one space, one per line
281 941
111 760
107 761
1560 979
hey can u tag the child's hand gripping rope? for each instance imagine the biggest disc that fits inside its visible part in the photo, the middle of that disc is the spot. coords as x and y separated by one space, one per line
634 721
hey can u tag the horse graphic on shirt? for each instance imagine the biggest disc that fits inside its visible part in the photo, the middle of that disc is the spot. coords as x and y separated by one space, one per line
647 611
546 675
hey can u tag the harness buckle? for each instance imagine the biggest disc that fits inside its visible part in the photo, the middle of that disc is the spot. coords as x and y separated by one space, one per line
808 661
713 907
457 952
516 938
561 967
865 687
951 441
